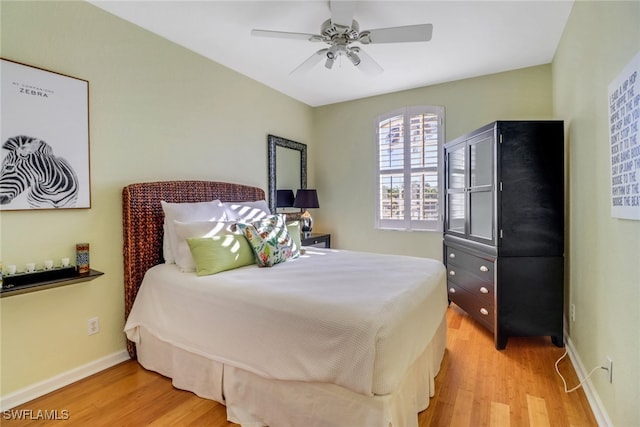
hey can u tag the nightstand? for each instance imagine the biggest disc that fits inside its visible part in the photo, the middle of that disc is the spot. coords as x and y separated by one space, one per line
317 240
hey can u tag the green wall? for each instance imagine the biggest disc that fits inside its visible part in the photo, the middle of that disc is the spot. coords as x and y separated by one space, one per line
158 112
346 144
603 252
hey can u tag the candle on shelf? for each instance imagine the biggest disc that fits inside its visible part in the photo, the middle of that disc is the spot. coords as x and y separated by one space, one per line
82 257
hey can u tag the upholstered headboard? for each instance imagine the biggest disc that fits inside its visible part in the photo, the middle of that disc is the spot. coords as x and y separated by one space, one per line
142 219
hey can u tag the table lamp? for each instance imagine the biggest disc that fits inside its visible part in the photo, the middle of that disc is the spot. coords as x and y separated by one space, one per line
284 198
306 199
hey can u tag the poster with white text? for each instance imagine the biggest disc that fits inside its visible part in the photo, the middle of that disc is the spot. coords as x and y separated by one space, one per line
624 139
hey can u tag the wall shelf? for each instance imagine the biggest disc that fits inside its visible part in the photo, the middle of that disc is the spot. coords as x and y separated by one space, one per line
49 284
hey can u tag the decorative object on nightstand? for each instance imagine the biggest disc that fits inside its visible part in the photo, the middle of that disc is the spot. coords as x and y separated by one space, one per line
306 199
284 198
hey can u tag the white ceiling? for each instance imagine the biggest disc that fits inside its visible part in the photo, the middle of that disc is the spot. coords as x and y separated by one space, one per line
470 38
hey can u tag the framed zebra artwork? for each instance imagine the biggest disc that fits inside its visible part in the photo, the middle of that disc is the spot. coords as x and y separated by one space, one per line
44 139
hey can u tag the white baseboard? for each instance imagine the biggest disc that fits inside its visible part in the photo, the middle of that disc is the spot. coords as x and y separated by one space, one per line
47 386
599 411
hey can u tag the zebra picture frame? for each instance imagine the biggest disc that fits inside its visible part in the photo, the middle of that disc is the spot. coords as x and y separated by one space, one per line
44 139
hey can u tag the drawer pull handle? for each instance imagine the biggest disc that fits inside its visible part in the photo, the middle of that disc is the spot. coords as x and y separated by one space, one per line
452 273
484 311
484 290
483 268
452 290
452 255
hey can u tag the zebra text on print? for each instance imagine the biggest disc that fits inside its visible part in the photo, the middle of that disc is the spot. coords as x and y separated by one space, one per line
31 166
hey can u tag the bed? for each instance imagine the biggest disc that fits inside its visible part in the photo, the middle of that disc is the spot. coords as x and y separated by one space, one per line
331 338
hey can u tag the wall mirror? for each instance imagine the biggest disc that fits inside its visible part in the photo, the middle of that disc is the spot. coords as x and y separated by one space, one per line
287 166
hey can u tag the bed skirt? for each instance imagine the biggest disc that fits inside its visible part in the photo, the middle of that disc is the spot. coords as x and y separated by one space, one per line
254 401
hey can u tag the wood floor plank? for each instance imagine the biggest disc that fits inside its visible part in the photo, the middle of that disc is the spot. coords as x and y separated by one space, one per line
537 410
193 411
499 415
477 386
462 408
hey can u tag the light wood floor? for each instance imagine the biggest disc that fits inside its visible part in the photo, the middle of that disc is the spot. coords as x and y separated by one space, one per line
477 386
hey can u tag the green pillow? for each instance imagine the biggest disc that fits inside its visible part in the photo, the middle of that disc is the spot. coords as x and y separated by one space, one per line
294 232
220 253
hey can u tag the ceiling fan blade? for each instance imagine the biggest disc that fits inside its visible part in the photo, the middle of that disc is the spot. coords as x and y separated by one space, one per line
286 35
342 12
409 33
367 64
310 62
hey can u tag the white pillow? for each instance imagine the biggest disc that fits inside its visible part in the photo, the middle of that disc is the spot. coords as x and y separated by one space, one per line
186 212
246 211
185 230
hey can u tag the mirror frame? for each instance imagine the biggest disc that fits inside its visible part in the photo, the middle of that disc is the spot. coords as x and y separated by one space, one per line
273 142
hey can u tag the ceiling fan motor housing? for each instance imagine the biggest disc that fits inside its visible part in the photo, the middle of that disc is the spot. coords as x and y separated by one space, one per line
331 31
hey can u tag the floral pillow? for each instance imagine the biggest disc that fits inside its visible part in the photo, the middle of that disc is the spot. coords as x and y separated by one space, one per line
270 240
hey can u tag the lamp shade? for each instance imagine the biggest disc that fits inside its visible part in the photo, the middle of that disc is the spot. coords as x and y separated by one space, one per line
306 199
284 198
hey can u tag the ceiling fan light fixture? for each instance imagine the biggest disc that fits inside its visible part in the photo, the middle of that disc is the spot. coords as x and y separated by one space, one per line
332 53
329 62
354 58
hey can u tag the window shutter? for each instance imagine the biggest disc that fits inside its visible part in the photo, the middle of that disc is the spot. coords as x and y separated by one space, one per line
409 169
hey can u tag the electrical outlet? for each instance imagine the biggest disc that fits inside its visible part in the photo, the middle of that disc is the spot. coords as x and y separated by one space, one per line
93 326
572 312
609 368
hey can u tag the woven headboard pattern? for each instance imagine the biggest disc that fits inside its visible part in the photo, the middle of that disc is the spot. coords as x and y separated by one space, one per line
142 219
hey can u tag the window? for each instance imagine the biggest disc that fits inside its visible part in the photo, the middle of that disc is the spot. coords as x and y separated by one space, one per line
409 166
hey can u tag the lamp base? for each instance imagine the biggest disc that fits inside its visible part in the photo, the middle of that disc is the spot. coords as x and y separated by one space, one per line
306 223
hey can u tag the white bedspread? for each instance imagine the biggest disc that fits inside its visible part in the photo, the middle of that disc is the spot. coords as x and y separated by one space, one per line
354 319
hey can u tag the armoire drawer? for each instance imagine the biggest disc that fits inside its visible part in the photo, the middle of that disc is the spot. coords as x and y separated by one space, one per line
481 310
480 289
480 267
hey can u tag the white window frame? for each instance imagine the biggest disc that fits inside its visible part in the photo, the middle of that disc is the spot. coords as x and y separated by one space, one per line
406 223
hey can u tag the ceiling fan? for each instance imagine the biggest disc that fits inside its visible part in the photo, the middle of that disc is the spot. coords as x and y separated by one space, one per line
341 31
